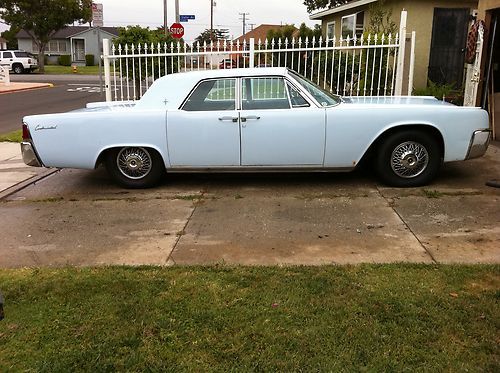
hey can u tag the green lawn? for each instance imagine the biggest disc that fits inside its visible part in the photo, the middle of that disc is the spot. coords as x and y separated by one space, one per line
351 318
83 70
14 136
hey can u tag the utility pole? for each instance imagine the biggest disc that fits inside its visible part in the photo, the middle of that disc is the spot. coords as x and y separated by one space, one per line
244 19
177 18
165 24
212 20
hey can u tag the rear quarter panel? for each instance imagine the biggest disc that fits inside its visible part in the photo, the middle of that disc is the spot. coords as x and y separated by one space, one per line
76 139
351 129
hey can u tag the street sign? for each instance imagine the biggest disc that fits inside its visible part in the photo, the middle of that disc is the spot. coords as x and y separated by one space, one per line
97 16
177 30
186 17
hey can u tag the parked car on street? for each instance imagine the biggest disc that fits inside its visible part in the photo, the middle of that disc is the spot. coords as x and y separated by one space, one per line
258 119
228 64
18 61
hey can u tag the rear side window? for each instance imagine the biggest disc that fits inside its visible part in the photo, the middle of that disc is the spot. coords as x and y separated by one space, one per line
21 54
213 95
264 93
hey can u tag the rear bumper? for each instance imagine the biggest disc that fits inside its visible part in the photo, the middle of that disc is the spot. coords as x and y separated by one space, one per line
29 155
478 144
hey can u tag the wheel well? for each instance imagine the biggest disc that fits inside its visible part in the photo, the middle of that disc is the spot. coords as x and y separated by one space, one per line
102 157
418 127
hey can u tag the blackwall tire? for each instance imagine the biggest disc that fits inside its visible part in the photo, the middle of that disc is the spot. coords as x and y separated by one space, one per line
408 158
135 167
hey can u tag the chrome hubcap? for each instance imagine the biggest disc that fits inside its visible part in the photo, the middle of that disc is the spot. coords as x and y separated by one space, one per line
409 159
134 163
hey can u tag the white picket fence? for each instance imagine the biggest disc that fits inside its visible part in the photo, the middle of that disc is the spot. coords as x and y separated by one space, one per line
371 65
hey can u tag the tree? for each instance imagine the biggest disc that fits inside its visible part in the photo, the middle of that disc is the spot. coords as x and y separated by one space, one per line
10 36
207 35
138 37
41 19
381 19
321 4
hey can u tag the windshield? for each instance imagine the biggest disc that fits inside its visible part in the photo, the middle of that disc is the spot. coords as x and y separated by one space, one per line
324 97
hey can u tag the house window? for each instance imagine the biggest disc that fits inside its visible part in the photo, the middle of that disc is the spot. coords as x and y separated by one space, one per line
330 30
353 25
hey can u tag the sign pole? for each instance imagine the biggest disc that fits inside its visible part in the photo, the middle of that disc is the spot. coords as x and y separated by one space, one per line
177 11
99 57
165 21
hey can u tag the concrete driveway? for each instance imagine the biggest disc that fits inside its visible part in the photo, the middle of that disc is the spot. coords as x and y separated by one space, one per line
80 218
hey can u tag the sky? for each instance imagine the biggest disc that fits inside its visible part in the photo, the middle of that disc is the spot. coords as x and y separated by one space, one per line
150 13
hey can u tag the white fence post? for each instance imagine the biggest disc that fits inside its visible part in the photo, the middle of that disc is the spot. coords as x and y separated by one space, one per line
401 54
252 53
412 63
107 72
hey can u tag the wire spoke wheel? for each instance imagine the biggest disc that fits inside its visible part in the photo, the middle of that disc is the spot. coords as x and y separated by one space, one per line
134 163
409 159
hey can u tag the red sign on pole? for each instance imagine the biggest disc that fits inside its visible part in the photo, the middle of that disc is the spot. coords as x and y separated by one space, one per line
177 30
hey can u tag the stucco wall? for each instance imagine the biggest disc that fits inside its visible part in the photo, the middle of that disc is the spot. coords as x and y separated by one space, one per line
485 5
420 18
91 43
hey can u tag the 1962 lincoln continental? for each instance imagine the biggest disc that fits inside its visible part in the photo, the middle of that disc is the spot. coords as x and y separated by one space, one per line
259 120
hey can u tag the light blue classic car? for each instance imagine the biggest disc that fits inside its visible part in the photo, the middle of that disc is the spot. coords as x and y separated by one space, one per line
259 120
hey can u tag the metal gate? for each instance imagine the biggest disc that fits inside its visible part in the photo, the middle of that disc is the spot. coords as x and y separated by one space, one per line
371 65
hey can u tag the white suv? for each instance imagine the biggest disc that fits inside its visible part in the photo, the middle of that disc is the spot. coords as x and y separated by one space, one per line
18 61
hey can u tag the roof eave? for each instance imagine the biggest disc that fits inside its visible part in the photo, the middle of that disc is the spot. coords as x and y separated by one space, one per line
339 9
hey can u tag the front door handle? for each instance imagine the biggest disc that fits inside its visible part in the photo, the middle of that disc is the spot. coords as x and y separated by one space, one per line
227 119
250 117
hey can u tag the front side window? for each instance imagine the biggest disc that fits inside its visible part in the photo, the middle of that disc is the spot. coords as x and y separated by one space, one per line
323 97
296 98
213 95
264 93
7 55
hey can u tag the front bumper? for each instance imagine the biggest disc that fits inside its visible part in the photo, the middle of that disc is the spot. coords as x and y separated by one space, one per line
478 144
29 155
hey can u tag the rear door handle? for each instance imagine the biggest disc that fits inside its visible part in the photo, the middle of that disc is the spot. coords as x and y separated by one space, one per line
250 117
229 119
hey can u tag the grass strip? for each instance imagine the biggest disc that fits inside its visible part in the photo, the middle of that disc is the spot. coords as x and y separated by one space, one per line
14 136
400 317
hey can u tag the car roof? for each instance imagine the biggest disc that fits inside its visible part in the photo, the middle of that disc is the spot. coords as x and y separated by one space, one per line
169 91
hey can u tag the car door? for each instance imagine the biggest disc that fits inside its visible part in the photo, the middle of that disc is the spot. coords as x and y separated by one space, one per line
278 126
205 132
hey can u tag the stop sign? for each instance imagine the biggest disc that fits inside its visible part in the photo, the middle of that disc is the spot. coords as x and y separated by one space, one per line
177 30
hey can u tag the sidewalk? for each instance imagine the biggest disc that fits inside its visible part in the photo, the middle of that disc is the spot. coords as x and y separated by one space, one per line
17 86
14 174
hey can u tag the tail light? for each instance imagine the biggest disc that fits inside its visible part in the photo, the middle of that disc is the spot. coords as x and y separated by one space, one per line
26 133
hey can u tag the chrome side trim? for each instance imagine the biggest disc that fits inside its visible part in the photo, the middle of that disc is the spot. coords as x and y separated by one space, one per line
251 169
29 155
478 144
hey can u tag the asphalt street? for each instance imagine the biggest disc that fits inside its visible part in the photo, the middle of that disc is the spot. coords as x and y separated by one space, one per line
68 93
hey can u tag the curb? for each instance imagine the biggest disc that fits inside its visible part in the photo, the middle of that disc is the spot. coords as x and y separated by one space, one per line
48 85
23 184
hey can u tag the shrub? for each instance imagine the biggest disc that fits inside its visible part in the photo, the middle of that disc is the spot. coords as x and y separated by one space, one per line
89 60
64 60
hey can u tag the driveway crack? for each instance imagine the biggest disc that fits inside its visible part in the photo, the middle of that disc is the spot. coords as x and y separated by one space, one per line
407 226
169 258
